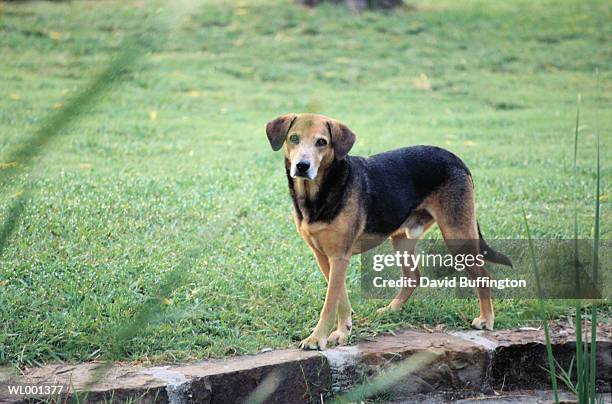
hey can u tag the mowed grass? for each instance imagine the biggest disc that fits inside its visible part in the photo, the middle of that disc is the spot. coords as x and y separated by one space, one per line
174 159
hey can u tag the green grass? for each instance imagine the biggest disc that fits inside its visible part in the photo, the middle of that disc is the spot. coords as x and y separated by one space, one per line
118 201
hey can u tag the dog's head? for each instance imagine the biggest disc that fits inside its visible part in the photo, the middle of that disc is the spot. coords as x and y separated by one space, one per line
311 142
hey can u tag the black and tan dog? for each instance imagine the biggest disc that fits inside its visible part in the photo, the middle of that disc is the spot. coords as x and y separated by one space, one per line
339 201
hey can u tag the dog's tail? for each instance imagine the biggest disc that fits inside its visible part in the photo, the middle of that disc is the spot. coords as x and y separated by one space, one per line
490 254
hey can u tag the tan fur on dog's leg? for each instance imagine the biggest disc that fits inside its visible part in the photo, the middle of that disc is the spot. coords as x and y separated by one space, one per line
336 290
345 322
454 209
487 317
323 262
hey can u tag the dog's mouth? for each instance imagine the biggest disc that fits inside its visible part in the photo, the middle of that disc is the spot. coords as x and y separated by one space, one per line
304 176
309 174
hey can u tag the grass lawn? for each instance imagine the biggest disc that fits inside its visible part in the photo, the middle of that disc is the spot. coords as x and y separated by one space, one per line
174 159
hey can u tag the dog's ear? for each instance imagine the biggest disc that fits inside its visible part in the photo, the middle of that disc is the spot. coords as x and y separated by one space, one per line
277 129
342 138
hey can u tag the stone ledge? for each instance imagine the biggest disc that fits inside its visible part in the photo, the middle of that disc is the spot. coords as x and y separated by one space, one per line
468 361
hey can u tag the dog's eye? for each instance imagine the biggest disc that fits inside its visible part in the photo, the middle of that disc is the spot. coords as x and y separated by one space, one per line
321 142
295 138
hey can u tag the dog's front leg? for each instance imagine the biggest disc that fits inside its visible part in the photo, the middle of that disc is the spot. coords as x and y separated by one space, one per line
345 323
322 261
336 292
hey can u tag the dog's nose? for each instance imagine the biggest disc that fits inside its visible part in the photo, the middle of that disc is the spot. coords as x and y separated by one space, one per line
302 166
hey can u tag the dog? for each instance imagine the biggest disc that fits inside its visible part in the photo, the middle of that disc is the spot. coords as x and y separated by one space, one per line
339 201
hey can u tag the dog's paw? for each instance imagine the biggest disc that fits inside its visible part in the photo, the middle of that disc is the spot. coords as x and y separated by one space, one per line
481 323
339 337
314 342
393 306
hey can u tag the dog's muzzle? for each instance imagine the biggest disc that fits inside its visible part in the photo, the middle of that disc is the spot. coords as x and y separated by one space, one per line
301 169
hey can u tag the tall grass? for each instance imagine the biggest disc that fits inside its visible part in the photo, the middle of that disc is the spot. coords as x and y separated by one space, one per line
586 351
596 235
541 309
579 350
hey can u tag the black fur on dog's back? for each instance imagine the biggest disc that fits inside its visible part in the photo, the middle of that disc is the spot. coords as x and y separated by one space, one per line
394 183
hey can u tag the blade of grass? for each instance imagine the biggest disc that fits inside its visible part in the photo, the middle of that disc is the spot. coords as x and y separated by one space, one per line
575 201
579 347
596 226
267 386
579 98
11 220
593 367
593 359
576 130
579 363
388 377
566 375
542 313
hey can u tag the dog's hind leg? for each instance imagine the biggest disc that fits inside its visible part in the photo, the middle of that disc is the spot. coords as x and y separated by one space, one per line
453 208
459 243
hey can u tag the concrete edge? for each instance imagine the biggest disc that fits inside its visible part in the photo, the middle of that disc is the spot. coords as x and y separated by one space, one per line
468 360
